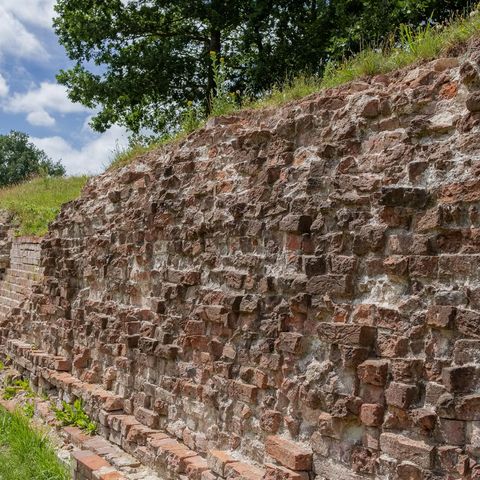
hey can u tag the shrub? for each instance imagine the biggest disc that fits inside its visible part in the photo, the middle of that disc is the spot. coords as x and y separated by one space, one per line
75 415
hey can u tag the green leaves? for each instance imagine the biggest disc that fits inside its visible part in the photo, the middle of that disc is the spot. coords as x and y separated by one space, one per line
75 415
20 159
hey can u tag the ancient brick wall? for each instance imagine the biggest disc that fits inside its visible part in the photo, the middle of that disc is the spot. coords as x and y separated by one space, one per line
5 240
292 293
19 271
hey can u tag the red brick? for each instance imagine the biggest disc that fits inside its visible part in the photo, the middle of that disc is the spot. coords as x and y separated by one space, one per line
403 448
89 461
361 335
217 460
288 453
275 472
243 471
373 372
195 466
371 414
401 395
243 391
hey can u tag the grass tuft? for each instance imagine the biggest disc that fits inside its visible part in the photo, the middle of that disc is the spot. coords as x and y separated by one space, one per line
26 452
37 202
414 45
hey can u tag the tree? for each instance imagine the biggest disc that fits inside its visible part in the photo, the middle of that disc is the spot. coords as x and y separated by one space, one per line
20 160
139 62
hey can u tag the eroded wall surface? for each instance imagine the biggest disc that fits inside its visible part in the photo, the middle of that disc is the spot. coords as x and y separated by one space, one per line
291 292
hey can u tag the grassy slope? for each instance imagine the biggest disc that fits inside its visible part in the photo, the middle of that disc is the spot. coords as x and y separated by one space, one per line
37 202
26 453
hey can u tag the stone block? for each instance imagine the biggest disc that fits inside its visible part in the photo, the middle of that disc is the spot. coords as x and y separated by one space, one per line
342 334
403 448
290 454
467 322
404 197
401 395
441 316
330 284
373 372
371 414
468 407
462 379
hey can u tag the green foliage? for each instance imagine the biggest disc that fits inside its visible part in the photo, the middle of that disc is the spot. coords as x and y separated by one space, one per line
222 101
75 415
29 409
25 452
136 148
13 388
140 62
415 44
192 118
20 160
37 202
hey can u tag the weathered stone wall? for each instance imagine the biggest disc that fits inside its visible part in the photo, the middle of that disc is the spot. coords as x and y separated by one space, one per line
292 291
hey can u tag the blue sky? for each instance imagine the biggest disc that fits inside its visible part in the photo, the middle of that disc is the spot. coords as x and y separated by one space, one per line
30 99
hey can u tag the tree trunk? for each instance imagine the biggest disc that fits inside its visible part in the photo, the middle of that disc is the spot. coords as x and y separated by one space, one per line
313 9
215 46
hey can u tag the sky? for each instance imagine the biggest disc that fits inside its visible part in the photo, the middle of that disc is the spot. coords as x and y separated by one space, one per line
32 102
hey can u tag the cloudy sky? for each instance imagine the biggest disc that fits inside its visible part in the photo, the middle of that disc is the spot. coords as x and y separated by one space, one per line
30 99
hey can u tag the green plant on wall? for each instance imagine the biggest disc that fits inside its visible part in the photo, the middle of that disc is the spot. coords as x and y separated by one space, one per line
222 100
29 409
14 387
75 415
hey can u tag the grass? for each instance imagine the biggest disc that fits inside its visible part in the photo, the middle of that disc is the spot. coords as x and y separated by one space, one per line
37 202
12 389
26 452
412 46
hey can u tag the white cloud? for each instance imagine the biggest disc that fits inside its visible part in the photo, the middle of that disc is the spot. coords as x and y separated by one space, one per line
39 102
34 12
91 158
16 40
48 96
40 119
3 86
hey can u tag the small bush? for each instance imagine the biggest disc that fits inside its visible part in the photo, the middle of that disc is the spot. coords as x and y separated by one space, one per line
222 101
13 388
75 415
192 118
29 409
